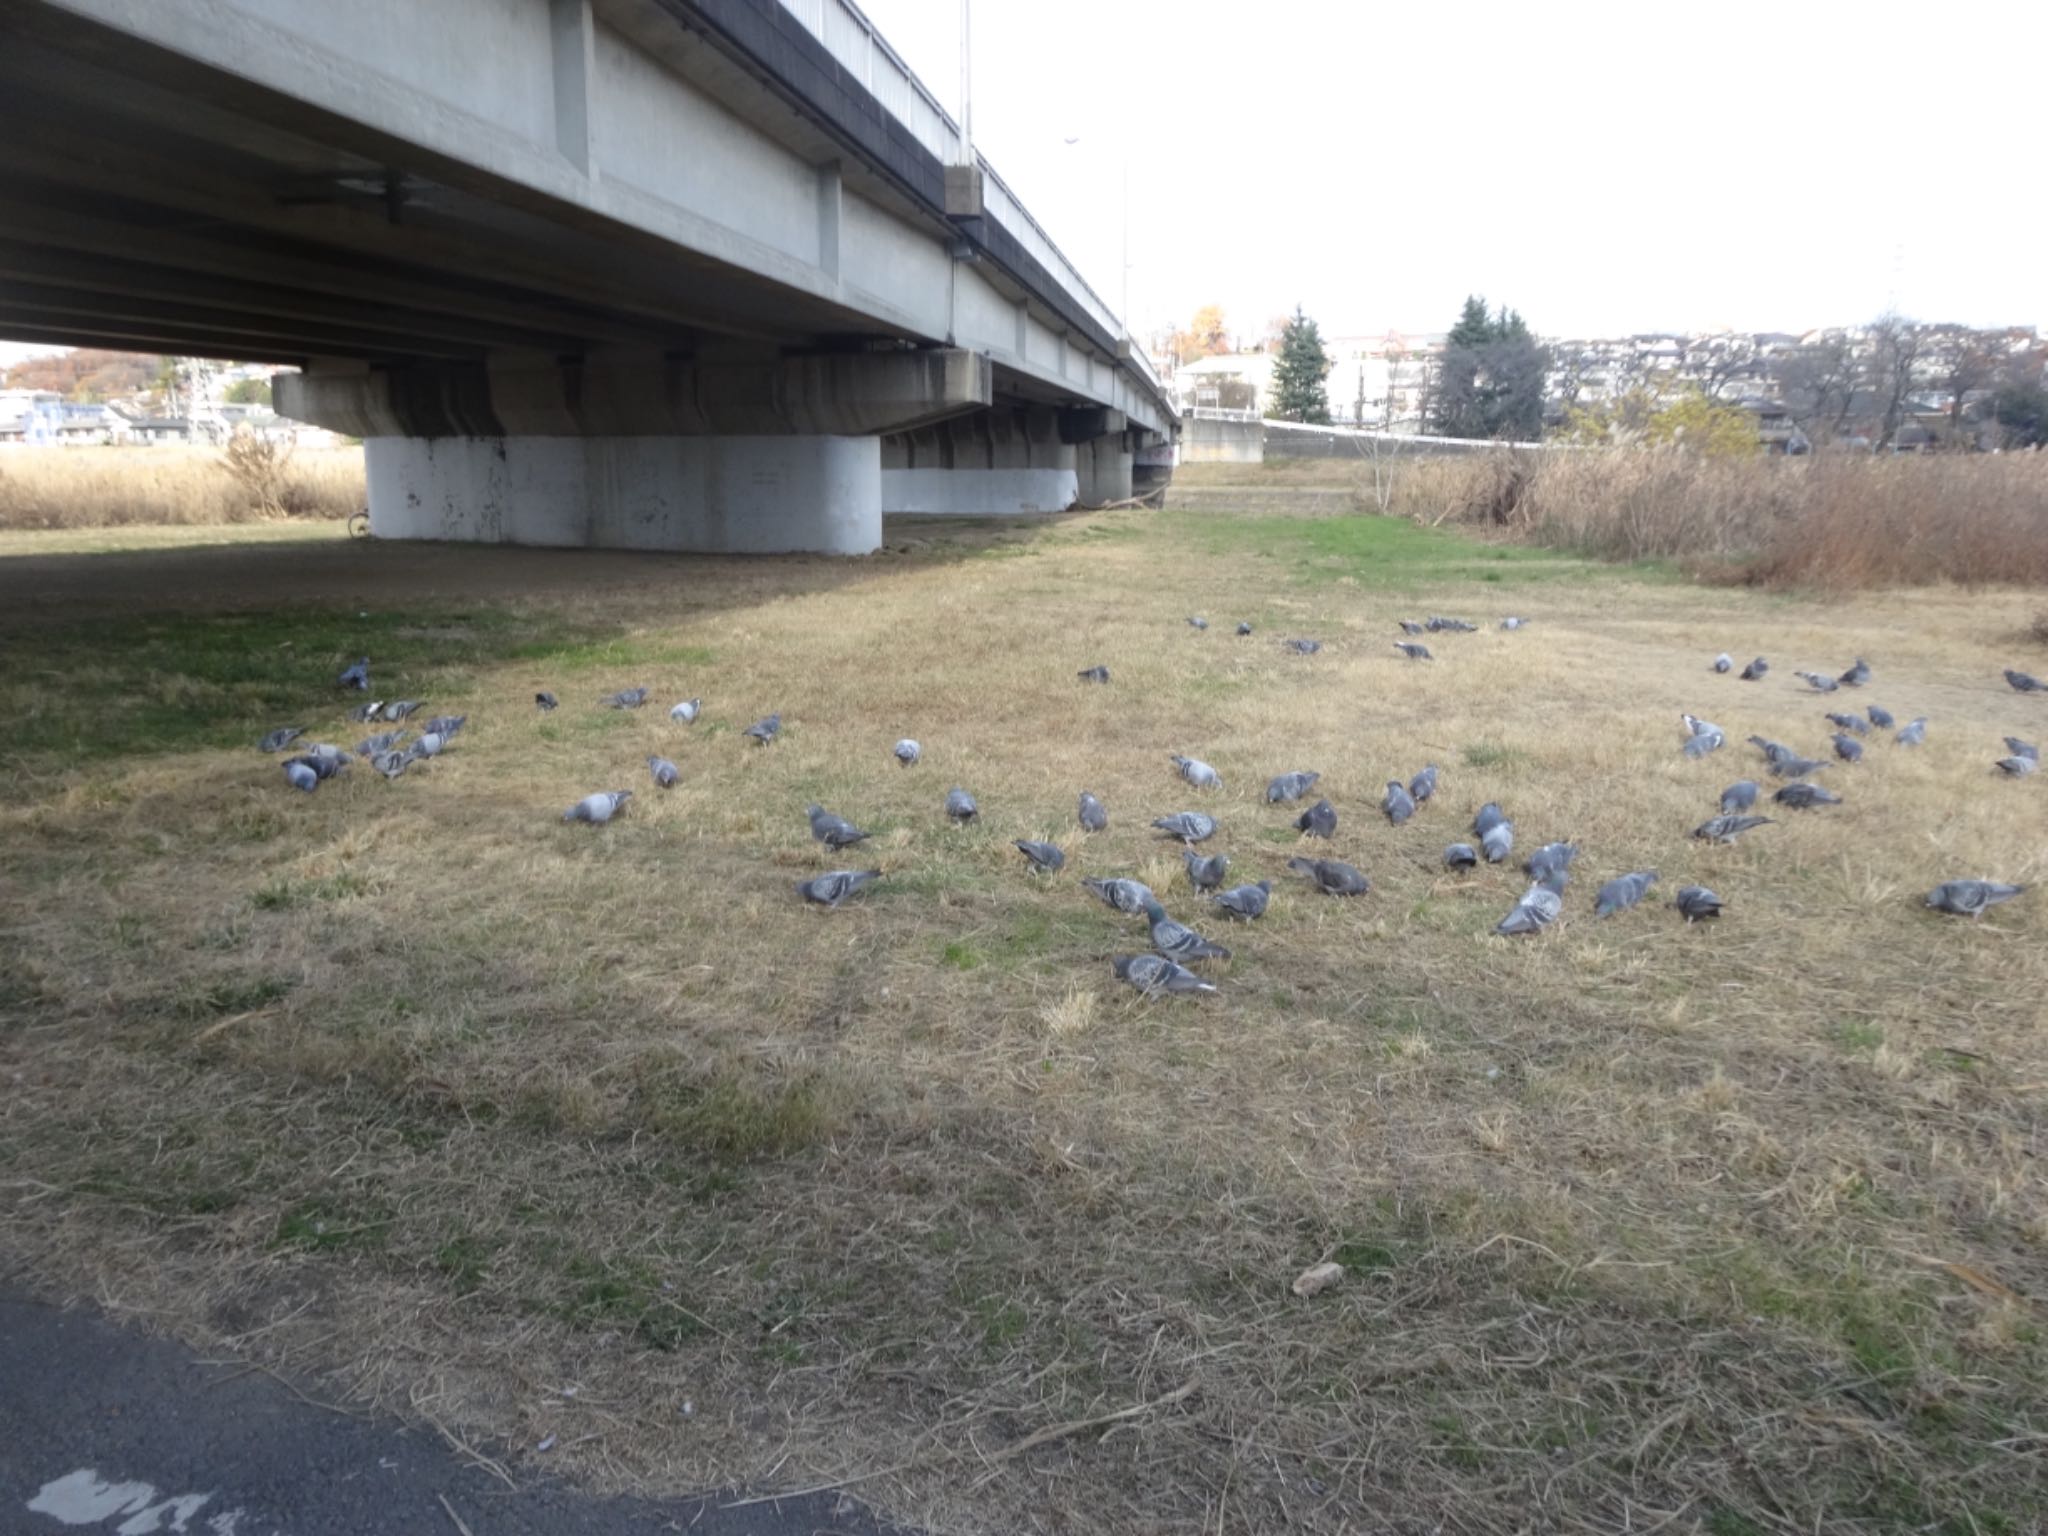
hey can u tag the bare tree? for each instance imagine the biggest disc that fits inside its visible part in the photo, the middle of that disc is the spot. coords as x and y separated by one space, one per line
1735 359
1818 383
1897 350
1960 360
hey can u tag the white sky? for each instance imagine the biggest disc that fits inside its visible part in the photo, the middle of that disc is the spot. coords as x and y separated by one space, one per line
1604 168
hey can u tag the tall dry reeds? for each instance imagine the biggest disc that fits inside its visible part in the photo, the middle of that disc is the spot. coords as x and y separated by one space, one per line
113 487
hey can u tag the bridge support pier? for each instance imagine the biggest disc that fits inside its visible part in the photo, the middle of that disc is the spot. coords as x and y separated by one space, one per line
994 463
1103 465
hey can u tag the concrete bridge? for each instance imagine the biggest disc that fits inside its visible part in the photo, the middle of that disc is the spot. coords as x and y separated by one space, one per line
668 274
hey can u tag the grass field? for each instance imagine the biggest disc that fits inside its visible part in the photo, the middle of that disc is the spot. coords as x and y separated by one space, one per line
442 1104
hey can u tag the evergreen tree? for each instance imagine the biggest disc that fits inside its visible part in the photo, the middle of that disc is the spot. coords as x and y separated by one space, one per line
1490 379
1298 393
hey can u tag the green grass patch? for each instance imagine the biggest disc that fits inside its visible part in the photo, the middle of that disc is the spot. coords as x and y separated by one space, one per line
323 1224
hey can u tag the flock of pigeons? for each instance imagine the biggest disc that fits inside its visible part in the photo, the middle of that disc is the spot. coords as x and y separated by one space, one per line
1175 947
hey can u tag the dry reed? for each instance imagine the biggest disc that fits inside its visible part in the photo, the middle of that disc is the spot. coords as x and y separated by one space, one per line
118 487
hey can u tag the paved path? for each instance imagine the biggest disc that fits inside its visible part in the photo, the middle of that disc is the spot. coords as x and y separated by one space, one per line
104 1430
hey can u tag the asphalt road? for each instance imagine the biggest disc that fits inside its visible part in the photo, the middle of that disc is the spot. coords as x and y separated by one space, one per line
102 1429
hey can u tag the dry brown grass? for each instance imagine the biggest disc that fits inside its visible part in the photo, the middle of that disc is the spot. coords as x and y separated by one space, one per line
43 488
413 1088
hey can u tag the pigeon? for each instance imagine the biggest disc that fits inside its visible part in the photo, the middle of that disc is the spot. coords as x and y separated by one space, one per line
1725 829
1120 894
1724 662
1197 622
1697 904
1970 898
907 752
398 709
1512 623
2024 684
363 713
1205 874
1244 901
2017 766
1819 682
1847 747
1094 674
835 832
1795 767
664 772
301 774
1537 910
545 701
1333 877
960 805
1177 941
1244 627
1773 751
1497 841
1854 724
1856 676
599 808
1552 859
1412 626
1755 670
1290 786
1156 976
383 741
1198 773
1623 892
1436 625
1304 647
1319 820
444 726
1044 858
765 729
1489 815
687 711
282 737
429 745
1397 803
1423 785
1461 856
1413 651
1700 743
391 763
1912 733
2024 749
1188 826
1804 797
1739 796
357 675
625 698
832 888
1093 817
1695 726
1881 718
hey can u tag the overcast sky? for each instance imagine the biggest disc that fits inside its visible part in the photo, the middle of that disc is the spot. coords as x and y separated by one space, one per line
1603 168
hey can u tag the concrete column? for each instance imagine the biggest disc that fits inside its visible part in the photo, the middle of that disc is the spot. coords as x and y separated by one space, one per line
992 463
1103 466
710 495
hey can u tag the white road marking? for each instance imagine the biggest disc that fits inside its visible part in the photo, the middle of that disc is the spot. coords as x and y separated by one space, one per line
85 1498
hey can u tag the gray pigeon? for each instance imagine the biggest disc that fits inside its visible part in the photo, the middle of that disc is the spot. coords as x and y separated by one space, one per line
1157 976
1739 796
2016 766
625 698
1851 722
1333 877
664 772
1497 841
1550 861
545 701
1755 670
1856 676
1197 772
1695 726
369 710
1697 904
1319 820
1188 826
398 709
1177 941
1245 901
1304 647
830 889
357 675
1197 622
960 805
1847 747
908 752
1512 623
445 726
835 832
1488 815
766 729
1725 829
599 808
1397 804
1773 751
1423 785
1804 797
383 741
1244 626
282 737
300 773
1121 894
1970 898
391 763
1289 786
1093 817
1700 743
429 745
1094 674
1205 874
1413 651
1795 767
2020 748
1461 856
1724 662
1623 892
1912 733
1412 626
1819 682
686 712
1044 858
1881 718
1536 911
2024 684
1439 625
